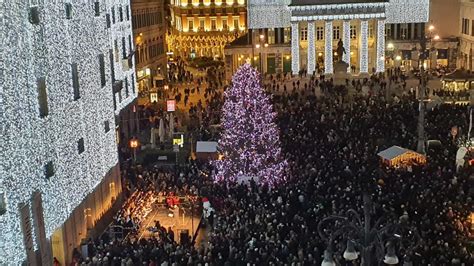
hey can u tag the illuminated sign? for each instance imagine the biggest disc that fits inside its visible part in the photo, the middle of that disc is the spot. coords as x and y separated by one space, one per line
178 139
170 105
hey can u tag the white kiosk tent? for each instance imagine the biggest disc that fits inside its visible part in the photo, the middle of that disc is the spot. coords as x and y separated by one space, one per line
397 156
206 150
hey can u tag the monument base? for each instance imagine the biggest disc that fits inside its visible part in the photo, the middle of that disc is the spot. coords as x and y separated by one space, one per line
340 73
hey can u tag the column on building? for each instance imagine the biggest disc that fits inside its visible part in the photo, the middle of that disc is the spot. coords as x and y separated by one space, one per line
295 48
328 64
380 46
346 29
364 47
311 48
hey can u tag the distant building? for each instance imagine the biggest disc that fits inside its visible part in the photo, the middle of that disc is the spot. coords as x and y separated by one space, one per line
149 34
66 75
204 27
466 31
303 35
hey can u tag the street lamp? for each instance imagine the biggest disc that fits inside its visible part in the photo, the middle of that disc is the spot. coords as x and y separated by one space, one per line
261 43
422 89
134 146
366 237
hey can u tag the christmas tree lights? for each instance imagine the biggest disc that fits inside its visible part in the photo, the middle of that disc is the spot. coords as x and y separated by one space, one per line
250 142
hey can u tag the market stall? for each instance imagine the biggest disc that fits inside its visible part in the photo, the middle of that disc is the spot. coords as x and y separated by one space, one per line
456 85
396 156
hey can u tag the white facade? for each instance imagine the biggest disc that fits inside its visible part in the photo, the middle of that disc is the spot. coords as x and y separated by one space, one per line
47 49
362 14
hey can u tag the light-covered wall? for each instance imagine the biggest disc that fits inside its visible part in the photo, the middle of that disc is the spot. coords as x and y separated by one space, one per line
398 11
27 141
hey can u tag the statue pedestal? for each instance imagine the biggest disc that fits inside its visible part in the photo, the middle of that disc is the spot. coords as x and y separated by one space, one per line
340 73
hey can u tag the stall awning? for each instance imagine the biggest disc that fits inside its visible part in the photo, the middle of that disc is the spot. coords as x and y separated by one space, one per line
206 146
392 152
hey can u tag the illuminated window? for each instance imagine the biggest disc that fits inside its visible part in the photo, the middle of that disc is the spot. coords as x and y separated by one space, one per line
319 33
224 24
201 24
353 31
213 24
287 35
336 33
190 25
304 34
236 24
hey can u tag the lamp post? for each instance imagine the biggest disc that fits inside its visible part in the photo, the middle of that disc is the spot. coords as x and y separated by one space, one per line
259 46
134 146
422 89
366 237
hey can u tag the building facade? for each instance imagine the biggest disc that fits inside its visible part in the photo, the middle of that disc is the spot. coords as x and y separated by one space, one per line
466 32
149 33
204 27
61 66
313 29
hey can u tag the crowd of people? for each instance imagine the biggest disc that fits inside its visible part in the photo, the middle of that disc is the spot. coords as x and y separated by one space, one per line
332 151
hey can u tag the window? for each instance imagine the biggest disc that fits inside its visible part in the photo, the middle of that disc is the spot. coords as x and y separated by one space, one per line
124 49
42 97
130 48
49 170
371 31
467 26
336 33
106 126
75 82
97 9
107 20
388 32
304 34
403 31
190 25
287 35
120 13
126 88
353 31
201 24
68 7
33 15
224 24
112 71
102 70
116 51
319 33
133 83
3 203
113 15
127 12
236 24
213 24
80 145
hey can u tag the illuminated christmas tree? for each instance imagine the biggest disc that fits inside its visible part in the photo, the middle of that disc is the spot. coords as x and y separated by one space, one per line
250 141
